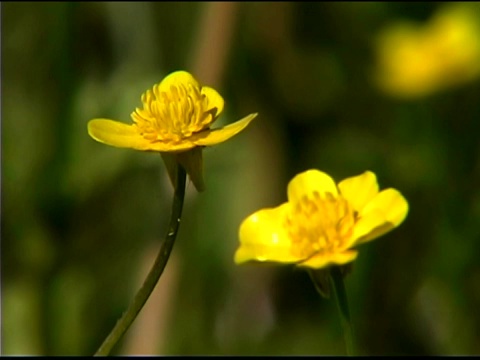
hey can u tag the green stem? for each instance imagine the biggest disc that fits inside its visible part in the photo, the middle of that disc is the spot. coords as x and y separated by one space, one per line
156 271
341 296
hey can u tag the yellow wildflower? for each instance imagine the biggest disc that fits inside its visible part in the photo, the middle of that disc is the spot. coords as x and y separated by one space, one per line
175 121
321 223
416 60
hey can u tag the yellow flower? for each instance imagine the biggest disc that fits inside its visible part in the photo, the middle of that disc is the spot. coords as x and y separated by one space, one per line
175 121
321 223
415 61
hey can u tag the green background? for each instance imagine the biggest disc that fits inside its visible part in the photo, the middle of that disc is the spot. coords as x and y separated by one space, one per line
81 221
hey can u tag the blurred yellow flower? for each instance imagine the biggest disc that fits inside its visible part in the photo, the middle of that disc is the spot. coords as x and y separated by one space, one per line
321 223
175 121
415 61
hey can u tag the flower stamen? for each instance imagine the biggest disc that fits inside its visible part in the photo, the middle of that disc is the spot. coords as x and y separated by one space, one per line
173 115
320 224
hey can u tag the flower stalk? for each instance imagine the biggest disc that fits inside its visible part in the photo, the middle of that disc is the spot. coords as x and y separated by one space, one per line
336 278
323 280
156 271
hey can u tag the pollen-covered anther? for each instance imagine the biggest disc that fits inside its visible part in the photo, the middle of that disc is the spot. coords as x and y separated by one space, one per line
319 224
173 115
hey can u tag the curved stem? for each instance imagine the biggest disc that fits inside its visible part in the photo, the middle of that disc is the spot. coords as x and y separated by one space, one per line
341 296
156 271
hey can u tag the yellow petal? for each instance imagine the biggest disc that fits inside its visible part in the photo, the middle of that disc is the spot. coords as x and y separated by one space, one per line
214 99
117 134
264 238
359 190
192 162
386 211
368 224
171 147
175 78
323 260
392 203
308 182
216 136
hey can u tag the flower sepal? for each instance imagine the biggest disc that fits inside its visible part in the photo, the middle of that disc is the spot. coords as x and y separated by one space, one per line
191 161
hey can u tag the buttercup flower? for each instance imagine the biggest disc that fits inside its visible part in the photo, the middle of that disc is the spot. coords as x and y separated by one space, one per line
417 60
175 121
321 223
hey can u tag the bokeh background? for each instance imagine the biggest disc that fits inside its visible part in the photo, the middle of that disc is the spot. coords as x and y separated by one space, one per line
81 222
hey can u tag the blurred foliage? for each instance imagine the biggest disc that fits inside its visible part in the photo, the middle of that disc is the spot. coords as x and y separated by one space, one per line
78 217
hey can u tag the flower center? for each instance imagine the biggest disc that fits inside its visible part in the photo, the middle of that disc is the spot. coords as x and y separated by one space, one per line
320 225
172 116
